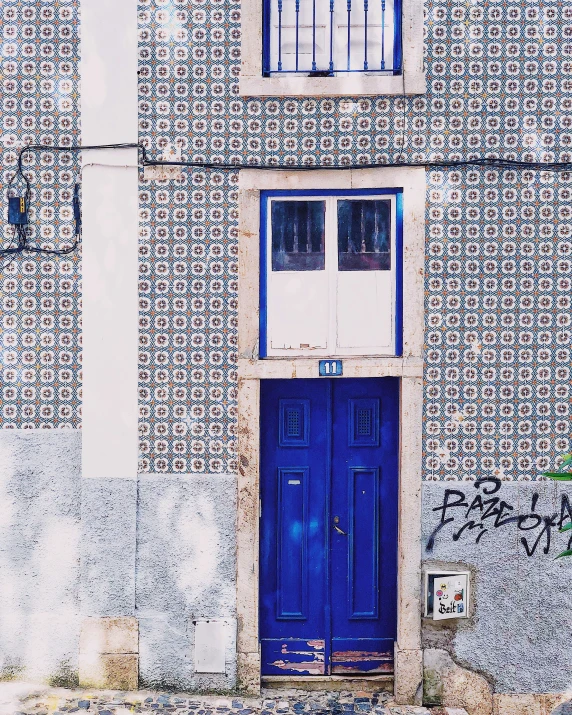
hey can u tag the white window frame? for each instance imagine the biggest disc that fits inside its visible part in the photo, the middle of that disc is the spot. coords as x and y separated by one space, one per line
331 275
411 81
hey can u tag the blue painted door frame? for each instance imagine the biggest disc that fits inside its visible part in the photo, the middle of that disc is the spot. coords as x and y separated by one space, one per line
328 533
264 208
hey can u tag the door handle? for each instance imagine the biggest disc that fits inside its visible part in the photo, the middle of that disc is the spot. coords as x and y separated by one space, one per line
337 528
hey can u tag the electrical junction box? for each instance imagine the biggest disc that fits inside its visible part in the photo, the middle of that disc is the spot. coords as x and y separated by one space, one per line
210 646
17 211
447 594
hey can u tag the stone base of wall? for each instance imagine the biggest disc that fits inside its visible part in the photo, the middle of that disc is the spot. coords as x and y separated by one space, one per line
447 685
409 676
532 704
109 653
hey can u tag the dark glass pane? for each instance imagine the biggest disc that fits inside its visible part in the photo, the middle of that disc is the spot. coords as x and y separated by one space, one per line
364 235
298 235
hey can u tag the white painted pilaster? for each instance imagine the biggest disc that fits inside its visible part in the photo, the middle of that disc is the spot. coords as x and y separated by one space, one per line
110 224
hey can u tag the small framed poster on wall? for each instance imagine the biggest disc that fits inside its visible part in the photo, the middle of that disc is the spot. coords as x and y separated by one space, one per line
447 594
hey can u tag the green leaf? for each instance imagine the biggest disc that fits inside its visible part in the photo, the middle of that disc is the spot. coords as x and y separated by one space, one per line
568 552
566 527
567 458
559 476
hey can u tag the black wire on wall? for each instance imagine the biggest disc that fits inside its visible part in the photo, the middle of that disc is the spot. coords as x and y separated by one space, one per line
21 242
19 205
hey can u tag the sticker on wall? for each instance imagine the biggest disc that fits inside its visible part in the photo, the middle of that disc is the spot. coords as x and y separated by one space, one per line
447 595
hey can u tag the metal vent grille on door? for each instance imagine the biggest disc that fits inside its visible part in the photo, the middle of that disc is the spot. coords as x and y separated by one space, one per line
294 422
364 423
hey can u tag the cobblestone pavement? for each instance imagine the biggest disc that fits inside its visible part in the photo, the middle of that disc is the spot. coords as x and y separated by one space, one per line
22 699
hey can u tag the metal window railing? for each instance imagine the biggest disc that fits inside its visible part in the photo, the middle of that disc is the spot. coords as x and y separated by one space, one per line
325 37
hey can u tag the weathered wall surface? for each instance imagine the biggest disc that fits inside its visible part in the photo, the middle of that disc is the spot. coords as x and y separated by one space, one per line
162 550
518 635
185 572
40 536
108 546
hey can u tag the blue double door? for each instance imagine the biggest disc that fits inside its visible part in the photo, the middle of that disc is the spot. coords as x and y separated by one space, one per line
328 537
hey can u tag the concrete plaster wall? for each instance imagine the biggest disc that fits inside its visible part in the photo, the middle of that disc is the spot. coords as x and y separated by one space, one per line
40 537
108 526
186 547
518 635
161 549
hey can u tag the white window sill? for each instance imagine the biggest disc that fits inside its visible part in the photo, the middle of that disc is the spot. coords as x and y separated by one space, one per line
350 85
253 84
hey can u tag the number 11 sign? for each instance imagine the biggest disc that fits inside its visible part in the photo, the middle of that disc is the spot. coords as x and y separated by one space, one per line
331 368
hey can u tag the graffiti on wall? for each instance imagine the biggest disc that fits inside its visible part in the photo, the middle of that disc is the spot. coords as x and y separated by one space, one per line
480 508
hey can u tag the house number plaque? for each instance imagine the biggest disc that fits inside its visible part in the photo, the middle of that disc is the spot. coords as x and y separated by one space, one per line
331 368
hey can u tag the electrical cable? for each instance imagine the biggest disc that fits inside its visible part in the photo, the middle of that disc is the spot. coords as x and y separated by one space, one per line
485 161
493 162
18 214
18 206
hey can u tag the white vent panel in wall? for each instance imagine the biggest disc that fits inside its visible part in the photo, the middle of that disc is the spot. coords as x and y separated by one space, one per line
210 642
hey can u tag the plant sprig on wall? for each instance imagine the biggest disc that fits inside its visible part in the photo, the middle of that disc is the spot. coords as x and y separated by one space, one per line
564 474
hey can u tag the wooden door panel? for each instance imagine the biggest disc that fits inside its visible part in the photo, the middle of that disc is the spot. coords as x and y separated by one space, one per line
364 503
294 483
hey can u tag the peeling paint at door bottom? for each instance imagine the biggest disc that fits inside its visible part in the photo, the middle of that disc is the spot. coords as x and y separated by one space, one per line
294 657
362 661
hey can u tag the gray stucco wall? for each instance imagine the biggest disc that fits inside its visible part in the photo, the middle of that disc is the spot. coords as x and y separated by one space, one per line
108 545
161 548
40 537
519 633
185 572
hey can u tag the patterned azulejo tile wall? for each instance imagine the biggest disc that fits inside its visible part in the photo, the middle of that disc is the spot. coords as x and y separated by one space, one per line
40 321
498 243
498 297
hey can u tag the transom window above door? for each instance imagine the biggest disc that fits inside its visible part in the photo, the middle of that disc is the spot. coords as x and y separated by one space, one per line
323 38
331 273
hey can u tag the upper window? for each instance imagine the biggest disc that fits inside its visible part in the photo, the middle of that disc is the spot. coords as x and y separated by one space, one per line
298 235
331 273
326 38
364 235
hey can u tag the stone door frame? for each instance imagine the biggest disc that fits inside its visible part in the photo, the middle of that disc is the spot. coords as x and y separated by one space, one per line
408 367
